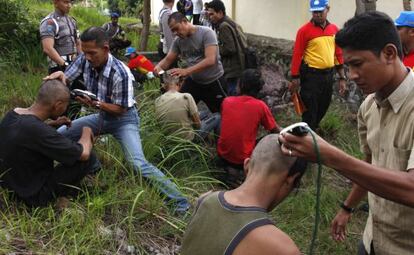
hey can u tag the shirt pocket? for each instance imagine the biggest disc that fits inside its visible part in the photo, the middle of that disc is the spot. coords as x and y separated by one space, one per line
399 159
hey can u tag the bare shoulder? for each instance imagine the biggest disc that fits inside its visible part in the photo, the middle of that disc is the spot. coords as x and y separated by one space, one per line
267 240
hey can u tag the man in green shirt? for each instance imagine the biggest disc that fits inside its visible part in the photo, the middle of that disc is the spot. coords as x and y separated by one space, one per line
237 221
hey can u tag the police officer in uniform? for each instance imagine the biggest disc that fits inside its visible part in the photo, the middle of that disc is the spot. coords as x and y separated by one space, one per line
59 36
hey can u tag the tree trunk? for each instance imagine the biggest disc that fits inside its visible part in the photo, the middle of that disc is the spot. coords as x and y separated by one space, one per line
407 5
145 26
365 6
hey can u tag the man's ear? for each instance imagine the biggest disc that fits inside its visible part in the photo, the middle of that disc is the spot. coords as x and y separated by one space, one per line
246 166
390 53
106 46
291 179
411 31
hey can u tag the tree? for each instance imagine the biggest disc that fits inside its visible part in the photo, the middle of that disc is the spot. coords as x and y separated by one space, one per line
365 6
407 5
146 25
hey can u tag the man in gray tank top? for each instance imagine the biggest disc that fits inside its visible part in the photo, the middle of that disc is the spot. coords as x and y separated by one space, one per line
197 46
59 36
237 221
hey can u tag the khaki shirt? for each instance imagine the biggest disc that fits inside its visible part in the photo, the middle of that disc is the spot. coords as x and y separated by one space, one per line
175 110
386 132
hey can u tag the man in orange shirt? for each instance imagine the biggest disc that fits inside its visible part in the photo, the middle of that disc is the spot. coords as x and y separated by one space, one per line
315 58
405 26
141 67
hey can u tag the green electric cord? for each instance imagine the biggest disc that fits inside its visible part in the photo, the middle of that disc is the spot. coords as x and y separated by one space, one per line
318 193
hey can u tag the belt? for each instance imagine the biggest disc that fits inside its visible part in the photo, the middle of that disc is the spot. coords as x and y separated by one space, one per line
309 69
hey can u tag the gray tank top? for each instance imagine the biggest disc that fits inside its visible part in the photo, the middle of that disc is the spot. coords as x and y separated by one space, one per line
217 227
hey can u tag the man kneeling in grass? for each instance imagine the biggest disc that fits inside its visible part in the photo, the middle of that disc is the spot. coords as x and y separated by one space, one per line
29 148
178 112
237 221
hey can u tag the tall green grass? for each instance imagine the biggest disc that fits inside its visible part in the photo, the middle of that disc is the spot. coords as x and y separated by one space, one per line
122 213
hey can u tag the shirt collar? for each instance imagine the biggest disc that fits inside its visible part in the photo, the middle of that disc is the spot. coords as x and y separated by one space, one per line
400 94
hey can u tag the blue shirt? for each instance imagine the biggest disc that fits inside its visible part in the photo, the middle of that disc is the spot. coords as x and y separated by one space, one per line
113 84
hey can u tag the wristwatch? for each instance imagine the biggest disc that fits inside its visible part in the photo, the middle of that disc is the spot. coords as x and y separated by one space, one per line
65 64
342 78
347 208
98 105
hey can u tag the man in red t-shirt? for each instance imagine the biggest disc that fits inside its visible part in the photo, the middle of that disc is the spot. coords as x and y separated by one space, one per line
405 26
241 117
141 67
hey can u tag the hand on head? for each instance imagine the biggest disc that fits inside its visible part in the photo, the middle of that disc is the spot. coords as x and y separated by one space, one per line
56 75
302 146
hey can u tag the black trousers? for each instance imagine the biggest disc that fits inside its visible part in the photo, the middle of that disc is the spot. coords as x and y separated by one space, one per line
61 182
362 251
211 94
196 19
316 93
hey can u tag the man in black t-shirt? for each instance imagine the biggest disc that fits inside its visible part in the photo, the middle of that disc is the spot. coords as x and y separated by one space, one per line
29 148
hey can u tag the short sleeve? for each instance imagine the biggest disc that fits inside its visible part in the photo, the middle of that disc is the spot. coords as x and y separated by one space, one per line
362 129
192 106
55 146
410 164
209 37
267 121
75 69
47 28
175 46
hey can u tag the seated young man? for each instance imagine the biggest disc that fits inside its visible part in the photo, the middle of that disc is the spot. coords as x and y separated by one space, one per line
178 111
237 221
29 148
141 67
241 117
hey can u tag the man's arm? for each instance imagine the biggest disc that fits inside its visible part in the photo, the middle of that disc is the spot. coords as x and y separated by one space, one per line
48 48
298 50
342 79
210 59
227 45
166 62
86 141
397 186
196 120
266 240
339 223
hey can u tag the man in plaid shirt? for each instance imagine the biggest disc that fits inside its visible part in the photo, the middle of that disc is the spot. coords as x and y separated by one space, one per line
112 83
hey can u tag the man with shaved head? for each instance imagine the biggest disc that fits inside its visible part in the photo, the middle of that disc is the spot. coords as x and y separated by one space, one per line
237 221
29 148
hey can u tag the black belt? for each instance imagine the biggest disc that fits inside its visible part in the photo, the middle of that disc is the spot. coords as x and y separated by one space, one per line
309 69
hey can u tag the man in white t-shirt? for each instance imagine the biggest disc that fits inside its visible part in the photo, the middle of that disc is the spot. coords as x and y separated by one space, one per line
197 8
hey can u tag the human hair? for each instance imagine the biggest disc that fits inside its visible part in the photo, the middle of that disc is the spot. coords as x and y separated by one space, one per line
170 79
96 34
267 159
251 82
217 6
369 31
177 17
51 91
168 1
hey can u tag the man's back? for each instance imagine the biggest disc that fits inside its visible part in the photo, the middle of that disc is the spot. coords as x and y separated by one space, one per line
241 118
175 109
27 151
218 227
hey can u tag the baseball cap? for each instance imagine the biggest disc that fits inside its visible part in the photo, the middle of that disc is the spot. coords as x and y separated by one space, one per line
129 51
406 19
318 5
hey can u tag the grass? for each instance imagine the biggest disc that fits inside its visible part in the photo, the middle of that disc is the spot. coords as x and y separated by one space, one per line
123 213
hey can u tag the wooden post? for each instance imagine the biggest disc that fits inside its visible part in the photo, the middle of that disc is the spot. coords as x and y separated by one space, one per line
145 26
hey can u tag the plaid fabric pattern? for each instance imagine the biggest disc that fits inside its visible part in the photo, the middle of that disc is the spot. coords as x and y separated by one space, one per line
113 84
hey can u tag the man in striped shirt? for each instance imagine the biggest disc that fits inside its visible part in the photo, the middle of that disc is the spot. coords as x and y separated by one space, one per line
315 57
112 83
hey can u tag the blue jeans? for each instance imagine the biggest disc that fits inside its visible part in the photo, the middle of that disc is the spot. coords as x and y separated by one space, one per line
125 129
209 122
